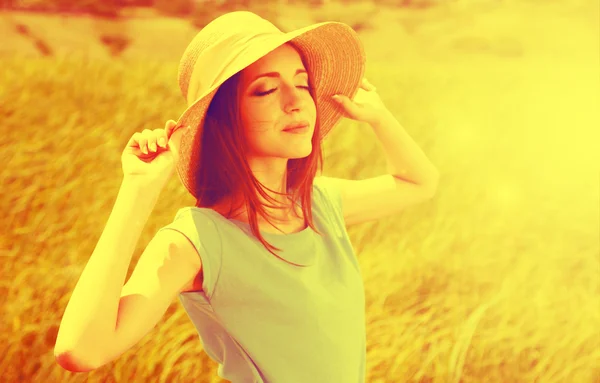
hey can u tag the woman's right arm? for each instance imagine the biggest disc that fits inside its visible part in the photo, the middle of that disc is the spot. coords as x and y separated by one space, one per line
104 318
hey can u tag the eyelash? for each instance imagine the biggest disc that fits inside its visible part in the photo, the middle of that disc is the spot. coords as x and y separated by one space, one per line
274 89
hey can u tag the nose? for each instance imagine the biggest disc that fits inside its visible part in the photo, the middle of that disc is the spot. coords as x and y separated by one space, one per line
292 99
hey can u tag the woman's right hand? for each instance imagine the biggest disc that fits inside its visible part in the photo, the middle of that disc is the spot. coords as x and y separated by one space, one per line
161 147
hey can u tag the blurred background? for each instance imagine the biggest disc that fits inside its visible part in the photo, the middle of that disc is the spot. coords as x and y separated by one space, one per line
497 279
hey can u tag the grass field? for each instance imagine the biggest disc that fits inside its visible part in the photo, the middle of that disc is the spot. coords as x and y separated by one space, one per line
497 279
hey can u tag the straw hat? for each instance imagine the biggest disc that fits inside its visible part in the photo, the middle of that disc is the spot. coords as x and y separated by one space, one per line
334 58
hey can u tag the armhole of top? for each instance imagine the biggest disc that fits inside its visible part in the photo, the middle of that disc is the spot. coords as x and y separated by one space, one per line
330 193
201 231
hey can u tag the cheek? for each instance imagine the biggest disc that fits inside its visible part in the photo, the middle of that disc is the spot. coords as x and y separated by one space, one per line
258 133
261 116
258 116
311 111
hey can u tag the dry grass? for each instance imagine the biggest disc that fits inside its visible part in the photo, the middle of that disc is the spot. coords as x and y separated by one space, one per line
495 280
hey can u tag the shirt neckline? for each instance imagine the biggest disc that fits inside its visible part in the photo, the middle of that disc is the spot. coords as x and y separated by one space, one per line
247 227
298 249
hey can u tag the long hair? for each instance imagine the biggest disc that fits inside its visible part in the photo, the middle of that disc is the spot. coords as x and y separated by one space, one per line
224 168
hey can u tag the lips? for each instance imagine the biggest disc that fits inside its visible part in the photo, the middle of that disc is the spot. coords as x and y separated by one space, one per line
296 125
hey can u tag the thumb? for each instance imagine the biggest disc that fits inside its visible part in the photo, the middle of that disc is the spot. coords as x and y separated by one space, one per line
175 127
169 127
344 102
176 136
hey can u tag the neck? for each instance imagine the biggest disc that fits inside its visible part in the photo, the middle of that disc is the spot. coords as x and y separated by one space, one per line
271 175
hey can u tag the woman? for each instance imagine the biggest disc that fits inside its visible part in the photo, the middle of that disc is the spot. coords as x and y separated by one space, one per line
262 264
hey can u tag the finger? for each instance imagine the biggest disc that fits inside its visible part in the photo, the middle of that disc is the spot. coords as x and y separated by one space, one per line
342 99
142 143
369 86
181 128
364 84
175 140
178 129
134 140
150 138
344 103
169 127
152 146
160 138
177 133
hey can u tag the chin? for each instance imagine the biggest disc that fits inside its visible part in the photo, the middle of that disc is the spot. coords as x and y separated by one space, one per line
296 154
293 157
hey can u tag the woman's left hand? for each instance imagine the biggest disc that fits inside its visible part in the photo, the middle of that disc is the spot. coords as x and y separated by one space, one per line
366 105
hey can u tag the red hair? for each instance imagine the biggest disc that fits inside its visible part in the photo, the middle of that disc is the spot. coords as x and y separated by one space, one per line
224 170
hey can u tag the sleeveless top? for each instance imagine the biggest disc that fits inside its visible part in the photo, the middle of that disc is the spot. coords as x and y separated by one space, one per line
263 319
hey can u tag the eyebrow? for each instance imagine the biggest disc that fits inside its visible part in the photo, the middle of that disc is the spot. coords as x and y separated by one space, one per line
276 74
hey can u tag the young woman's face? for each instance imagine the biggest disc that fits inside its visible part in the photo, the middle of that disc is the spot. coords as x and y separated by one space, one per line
269 103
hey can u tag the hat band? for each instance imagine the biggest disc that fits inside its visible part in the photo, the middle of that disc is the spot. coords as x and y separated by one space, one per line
222 60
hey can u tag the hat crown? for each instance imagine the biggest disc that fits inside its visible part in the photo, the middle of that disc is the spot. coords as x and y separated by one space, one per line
238 21
219 39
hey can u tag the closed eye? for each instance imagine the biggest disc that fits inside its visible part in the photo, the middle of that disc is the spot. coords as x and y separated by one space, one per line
274 89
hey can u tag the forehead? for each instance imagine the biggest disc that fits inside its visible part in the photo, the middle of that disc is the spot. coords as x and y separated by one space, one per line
283 59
